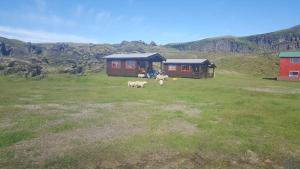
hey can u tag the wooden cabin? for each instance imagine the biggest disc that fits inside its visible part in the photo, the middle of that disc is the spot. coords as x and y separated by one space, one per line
289 66
132 64
189 68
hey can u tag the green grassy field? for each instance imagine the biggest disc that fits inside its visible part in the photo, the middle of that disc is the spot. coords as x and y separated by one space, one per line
95 121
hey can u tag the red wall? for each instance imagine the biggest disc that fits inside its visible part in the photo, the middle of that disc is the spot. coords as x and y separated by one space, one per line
122 71
189 74
178 72
285 67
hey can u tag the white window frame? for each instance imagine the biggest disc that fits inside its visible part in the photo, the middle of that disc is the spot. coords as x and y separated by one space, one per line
172 68
293 71
117 63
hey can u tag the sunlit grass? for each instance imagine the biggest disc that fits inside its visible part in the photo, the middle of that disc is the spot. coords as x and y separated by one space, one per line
232 119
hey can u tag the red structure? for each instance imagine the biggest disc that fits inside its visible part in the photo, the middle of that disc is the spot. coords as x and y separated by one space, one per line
131 64
189 68
289 66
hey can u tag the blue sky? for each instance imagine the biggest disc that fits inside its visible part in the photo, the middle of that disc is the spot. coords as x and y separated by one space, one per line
162 21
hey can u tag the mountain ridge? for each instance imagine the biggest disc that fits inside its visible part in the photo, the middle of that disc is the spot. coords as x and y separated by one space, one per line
286 39
79 57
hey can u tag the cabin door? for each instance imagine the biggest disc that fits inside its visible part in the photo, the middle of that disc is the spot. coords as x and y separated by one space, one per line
196 70
143 66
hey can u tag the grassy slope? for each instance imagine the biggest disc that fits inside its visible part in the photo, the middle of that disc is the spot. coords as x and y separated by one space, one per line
258 65
233 119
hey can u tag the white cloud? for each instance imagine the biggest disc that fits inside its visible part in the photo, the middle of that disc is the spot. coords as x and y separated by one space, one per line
107 19
51 20
41 36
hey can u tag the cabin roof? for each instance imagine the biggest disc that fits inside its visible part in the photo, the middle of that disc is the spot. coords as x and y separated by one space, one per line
151 56
187 61
289 54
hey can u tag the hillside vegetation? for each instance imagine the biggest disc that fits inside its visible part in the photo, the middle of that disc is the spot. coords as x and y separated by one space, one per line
250 54
288 39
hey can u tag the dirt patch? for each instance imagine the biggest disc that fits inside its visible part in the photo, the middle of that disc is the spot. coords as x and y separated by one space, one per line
228 72
163 159
5 123
179 126
113 121
134 104
102 105
121 120
183 108
291 163
30 106
57 144
88 110
250 157
76 110
280 90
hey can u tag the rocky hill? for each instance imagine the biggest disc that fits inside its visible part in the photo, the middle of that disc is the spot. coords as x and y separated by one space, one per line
288 39
80 57
69 55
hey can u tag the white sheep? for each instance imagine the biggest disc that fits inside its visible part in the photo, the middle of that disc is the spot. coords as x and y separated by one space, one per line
161 77
137 84
161 82
140 84
131 84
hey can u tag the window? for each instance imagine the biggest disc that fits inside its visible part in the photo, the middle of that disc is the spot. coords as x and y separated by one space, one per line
130 64
116 64
185 68
171 67
294 74
295 60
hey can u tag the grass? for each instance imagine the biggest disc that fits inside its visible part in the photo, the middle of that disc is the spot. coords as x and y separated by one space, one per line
63 127
9 138
92 121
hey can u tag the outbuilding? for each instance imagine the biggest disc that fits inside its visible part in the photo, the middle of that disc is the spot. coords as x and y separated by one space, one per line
190 68
289 66
132 64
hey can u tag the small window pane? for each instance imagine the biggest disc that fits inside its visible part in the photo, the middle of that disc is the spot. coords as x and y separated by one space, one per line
293 74
172 67
130 64
295 60
185 68
116 64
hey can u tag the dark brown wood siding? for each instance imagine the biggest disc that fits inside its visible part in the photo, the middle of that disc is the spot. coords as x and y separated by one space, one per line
203 71
122 71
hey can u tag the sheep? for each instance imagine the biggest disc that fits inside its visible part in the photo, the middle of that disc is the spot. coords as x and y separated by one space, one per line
141 75
140 84
161 82
131 84
161 77
137 84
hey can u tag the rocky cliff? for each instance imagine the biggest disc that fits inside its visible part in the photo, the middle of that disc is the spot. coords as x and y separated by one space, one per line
78 57
288 39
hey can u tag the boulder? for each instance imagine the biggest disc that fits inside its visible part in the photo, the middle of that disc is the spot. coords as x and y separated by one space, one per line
10 66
